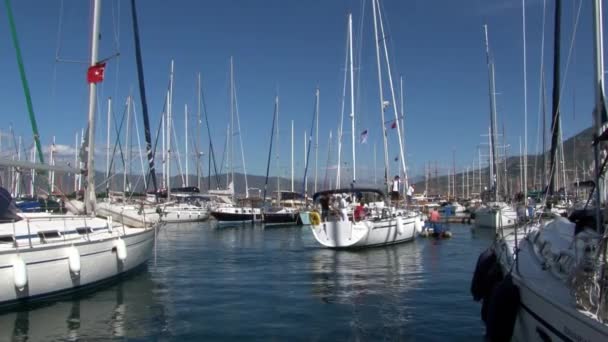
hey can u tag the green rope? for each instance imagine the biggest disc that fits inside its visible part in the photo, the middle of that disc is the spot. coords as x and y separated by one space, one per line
26 88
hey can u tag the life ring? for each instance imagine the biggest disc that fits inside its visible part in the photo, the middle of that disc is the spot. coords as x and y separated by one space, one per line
315 218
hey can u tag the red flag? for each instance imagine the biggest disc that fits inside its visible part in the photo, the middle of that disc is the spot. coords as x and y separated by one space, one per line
95 73
394 125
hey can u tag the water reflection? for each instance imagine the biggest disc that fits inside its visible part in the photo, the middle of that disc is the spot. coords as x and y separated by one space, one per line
127 309
346 276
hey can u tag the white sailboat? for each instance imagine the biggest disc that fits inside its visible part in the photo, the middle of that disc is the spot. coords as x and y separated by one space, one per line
555 284
495 214
41 256
365 219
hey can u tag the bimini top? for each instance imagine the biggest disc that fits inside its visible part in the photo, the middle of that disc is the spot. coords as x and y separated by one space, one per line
347 190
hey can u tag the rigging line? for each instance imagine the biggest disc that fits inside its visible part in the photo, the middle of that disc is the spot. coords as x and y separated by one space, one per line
117 144
178 153
341 118
141 158
212 153
238 122
158 134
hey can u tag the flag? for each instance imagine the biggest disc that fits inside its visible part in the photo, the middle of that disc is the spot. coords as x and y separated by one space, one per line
394 125
363 137
95 73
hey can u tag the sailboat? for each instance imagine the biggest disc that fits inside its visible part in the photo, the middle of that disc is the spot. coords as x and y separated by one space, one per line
494 214
360 217
553 286
42 256
236 212
276 214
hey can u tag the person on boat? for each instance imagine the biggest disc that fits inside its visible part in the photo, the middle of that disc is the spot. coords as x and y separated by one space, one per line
531 206
410 193
359 213
324 201
435 219
342 205
395 189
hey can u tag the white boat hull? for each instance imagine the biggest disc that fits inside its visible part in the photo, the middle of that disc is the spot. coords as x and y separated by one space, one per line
48 266
368 233
130 215
492 218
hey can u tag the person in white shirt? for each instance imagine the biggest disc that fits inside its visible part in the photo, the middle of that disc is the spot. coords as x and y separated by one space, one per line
342 207
410 193
395 189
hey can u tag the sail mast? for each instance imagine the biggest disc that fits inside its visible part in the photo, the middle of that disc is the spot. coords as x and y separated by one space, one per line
186 141
599 114
169 122
493 169
392 89
90 198
556 85
381 95
352 94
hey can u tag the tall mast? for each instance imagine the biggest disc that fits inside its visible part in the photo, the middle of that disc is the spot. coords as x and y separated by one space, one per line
277 156
599 114
90 197
523 8
164 150
381 95
108 145
186 141
493 170
125 179
316 135
556 85
392 88
52 162
169 121
198 133
231 132
292 179
352 94
75 163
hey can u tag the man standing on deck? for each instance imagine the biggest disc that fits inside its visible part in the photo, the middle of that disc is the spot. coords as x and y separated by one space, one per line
395 189
410 193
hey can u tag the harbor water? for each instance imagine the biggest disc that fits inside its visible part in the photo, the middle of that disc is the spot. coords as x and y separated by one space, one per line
209 282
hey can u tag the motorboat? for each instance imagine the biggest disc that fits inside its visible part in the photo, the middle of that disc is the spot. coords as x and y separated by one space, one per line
495 215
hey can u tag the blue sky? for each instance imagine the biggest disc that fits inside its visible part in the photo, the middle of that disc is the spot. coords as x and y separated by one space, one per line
291 47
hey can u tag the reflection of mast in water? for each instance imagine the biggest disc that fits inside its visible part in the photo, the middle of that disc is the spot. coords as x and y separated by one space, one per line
126 307
346 276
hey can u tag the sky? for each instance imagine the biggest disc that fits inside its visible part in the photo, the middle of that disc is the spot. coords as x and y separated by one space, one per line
289 48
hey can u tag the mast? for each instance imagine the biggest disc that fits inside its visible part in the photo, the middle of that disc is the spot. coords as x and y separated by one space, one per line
142 95
75 163
108 146
90 197
52 162
390 81
125 179
556 85
198 133
272 129
491 85
186 140
164 150
169 121
386 184
525 172
231 131
316 135
599 113
277 156
352 95
292 179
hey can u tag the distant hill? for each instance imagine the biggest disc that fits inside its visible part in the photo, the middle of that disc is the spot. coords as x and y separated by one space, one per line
578 154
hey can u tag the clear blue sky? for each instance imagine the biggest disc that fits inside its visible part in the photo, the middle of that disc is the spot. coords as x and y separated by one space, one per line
293 46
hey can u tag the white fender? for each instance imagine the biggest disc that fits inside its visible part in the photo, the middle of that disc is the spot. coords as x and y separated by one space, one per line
74 260
19 273
418 225
121 249
400 225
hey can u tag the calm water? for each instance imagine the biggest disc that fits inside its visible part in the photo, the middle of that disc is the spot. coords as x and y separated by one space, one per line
246 283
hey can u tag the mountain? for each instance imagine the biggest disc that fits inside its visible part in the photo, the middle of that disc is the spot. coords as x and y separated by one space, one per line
578 156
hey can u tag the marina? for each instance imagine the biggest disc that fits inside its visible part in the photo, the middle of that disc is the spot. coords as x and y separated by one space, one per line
325 179
245 282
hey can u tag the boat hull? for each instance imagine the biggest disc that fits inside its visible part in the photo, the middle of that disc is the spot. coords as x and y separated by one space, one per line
48 267
494 219
128 215
280 218
348 234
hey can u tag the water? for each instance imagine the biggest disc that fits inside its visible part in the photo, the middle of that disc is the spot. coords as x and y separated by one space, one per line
250 283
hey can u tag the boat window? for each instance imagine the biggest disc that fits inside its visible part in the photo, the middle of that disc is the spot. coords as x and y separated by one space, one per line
9 238
84 230
48 234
